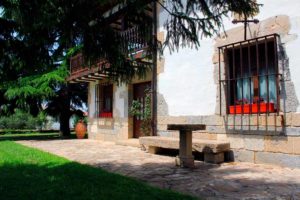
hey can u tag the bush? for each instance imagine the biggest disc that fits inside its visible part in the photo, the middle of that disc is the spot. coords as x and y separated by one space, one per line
76 118
22 120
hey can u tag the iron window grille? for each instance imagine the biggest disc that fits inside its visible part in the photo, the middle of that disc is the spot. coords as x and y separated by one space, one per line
251 76
104 100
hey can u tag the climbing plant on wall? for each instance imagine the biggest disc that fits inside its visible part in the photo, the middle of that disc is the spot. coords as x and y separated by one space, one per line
143 112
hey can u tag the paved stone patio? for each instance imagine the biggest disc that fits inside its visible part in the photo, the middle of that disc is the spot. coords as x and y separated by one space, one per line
226 181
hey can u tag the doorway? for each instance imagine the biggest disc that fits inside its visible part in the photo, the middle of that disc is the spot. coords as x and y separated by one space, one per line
139 95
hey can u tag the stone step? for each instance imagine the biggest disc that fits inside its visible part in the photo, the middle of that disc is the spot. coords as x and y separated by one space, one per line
132 142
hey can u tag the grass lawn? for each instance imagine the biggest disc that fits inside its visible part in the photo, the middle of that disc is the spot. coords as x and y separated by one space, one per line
27 173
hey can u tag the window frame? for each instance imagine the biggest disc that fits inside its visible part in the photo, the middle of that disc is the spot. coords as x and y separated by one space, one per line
103 92
226 79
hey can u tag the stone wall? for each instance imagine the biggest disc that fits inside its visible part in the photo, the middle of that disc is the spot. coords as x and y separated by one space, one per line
263 145
120 127
110 129
273 138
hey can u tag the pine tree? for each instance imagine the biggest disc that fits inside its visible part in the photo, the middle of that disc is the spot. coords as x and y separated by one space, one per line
35 37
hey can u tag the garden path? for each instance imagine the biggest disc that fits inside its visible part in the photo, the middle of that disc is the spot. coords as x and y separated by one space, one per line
225 181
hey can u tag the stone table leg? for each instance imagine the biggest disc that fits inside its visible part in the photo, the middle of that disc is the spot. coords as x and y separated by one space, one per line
186 158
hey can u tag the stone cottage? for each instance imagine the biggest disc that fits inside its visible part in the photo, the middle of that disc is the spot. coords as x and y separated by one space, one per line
243 86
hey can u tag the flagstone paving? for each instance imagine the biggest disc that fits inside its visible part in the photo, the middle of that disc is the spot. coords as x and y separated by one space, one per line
227 181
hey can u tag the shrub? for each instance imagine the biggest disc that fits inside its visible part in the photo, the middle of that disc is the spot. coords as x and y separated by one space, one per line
22 120
76 118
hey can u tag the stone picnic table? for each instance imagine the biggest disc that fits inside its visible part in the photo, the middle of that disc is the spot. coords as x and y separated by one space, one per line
186 158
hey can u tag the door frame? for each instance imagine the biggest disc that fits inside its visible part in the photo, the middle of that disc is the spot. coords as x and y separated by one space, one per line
135 132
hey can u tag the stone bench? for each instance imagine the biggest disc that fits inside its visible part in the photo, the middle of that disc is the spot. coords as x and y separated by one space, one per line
213 150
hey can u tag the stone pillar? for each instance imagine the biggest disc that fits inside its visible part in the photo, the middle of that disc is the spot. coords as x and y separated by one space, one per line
186 158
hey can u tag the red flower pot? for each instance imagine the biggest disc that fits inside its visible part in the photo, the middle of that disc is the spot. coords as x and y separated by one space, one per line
80 129
252 108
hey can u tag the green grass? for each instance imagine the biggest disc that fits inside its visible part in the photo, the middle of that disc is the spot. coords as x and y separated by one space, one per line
27 173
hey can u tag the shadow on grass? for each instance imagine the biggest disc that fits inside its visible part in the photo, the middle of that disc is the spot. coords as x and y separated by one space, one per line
35 136
72 181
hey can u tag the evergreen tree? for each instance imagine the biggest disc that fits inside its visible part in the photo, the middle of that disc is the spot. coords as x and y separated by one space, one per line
36 35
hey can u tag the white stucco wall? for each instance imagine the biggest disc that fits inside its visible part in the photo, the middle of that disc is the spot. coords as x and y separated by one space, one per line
120 101
187 83
91 103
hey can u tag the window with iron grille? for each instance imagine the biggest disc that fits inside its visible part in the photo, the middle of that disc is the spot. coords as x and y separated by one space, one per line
251 76
104 100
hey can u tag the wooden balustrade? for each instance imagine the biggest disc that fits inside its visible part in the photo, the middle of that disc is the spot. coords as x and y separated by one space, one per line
133 40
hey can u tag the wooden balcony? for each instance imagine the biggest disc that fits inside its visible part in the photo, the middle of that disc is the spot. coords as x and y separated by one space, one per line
135 43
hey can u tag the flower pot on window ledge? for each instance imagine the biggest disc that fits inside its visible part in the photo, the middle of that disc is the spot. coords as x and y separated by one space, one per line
106 115
80 129
252 108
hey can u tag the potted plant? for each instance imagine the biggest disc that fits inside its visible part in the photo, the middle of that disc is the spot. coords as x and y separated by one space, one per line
80 128
258 105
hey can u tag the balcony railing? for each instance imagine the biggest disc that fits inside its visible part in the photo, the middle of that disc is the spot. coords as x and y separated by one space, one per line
135 42
135 39
77 63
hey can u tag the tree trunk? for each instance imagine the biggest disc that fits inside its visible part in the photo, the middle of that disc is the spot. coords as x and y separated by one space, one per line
64 116
64 124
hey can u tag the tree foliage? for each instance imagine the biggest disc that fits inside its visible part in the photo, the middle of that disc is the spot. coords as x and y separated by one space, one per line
191 20
35 37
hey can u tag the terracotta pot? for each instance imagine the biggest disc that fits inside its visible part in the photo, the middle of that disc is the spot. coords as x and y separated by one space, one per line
80 129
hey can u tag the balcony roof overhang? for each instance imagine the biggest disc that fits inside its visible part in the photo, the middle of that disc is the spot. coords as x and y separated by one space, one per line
88 74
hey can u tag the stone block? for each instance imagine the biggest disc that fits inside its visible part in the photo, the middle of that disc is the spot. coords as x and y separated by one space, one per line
279 144
271 120
236 141
254 120
290 101
160 36
243 156
93 129
284 160
99 136
171 120
254 142
279 24
152 150
293 131
162 127
214 158
296 119
204 135
215 58
160 66
243 121
222 137
209 120
288 117
162 106
210 146
296 145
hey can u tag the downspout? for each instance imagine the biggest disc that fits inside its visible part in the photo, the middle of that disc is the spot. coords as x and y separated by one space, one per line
154 69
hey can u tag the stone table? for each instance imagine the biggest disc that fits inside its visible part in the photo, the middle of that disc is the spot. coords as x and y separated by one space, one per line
186 158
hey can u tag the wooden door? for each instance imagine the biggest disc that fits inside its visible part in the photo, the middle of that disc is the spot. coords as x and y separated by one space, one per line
139 95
